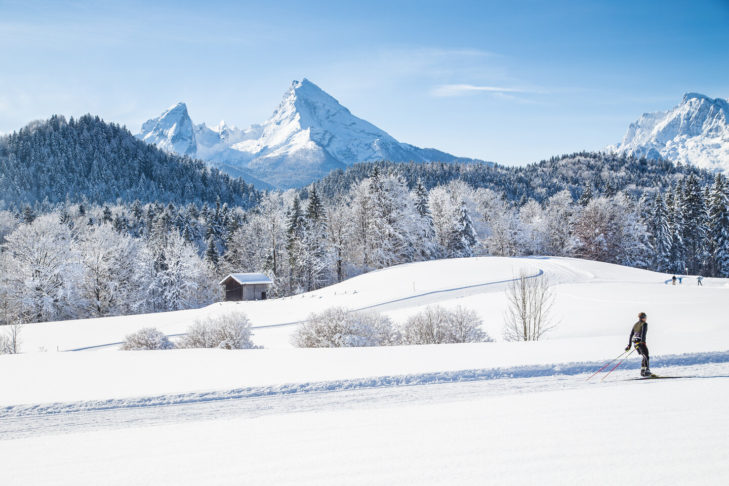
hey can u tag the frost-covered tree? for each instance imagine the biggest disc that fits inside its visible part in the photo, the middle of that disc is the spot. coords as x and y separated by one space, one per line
558 221
503 222
8 223
172 276
108 260
43 269
532 233
609 230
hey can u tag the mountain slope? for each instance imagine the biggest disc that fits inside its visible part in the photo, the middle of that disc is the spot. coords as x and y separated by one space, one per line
309 135
88 159
694 132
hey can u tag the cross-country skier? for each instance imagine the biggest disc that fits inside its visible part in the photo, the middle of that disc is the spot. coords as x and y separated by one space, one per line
673 280
637 338
700 280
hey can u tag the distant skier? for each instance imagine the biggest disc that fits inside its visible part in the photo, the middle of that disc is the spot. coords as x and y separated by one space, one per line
680 280
700 280
673 280
637 338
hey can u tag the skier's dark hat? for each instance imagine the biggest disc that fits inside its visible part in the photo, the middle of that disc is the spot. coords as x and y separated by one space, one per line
642 315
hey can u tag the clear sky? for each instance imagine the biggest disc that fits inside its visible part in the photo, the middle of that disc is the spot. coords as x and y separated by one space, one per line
508 81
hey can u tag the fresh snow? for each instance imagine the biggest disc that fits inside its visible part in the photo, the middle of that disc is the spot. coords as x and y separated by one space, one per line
500 412
308 135
593 300
694 132
668 432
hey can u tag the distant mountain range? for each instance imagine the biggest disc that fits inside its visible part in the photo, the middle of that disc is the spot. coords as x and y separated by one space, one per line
694 132
309 135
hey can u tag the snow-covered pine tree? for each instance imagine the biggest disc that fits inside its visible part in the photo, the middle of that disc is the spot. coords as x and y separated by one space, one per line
425 243
718 235
316 261
211 253
694 231
463 237
421 200
677 259
314 207
294 245
661 240
586 196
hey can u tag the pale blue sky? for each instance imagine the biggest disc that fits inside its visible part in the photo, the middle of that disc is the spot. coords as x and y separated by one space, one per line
509 81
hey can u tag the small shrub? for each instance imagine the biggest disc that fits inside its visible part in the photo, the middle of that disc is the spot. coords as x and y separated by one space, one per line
146 339
436 325
338 328
227 331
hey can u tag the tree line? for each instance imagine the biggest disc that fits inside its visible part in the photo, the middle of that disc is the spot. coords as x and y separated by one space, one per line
82 260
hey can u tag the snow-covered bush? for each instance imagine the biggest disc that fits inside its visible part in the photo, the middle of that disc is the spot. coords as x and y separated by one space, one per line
436 325
147 338
337 328
227 331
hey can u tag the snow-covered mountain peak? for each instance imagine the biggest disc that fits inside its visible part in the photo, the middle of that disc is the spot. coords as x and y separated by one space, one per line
695 132
309 134
172 131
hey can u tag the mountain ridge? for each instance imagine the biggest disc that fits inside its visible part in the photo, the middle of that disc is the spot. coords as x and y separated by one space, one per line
696 132
308 135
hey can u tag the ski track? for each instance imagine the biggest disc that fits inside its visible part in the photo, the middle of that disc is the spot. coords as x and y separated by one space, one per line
20 421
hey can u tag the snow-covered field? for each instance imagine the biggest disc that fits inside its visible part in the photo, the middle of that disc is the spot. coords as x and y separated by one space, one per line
489 413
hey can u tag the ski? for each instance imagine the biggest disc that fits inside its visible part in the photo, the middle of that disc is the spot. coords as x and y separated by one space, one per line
656 377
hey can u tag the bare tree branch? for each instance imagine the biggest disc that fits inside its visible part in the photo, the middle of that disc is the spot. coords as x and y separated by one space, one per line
528 315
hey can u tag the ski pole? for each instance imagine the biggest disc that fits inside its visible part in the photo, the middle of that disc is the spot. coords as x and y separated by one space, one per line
607 364
621 362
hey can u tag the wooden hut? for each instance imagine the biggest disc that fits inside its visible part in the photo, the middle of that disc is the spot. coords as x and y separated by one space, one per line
246 286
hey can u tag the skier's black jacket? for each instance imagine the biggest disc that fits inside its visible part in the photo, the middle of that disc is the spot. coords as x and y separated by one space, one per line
638 333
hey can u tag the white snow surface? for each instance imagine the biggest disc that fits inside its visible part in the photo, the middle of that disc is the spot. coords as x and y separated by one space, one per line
694 132
486 413
308 135
595 305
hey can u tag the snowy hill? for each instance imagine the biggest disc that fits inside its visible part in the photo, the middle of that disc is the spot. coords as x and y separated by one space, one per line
309 135
694 132
513 412
593 300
